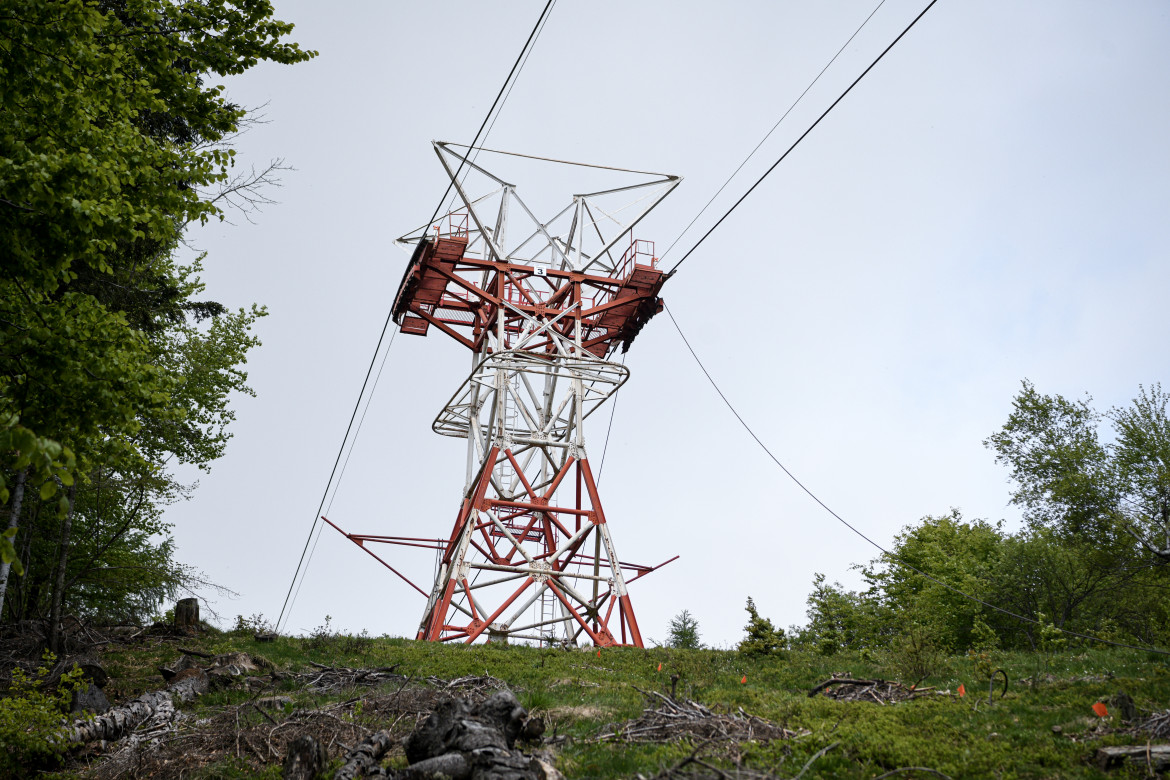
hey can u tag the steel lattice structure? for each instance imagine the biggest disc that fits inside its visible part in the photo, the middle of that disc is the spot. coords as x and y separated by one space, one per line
542 306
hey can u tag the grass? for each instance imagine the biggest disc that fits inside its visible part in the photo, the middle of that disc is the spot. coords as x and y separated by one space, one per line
581 694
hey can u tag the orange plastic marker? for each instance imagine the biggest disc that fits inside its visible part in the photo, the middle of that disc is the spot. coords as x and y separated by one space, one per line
599 653
660 667
744 680
962 690
1100 709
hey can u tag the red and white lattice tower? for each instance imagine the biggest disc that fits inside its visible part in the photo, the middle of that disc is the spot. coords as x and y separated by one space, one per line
542 305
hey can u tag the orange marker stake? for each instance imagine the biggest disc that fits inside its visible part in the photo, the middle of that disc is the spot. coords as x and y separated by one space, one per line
1100 709
660 667
744 680
599 653
962 690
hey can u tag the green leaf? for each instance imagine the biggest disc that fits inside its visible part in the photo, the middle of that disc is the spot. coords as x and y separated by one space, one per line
8 553
48 488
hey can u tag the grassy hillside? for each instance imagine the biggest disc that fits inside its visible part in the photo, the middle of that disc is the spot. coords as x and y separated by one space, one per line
583 695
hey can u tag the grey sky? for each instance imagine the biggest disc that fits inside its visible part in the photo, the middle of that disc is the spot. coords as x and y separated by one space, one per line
989 204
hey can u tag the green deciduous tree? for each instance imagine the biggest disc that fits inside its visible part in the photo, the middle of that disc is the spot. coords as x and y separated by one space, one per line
1141 468
963 555
113 137
1095 493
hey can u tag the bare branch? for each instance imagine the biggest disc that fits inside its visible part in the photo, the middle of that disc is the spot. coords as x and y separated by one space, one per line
246 192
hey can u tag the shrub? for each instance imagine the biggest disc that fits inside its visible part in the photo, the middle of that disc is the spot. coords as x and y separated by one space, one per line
915 653
31 719
683 632
762 637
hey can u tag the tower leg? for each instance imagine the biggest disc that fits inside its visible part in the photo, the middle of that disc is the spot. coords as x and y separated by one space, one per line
503 547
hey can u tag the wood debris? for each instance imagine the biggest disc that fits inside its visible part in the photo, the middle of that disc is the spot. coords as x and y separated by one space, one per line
1155 757
364 757
1156 725
670 720
331 679
874 691
148 716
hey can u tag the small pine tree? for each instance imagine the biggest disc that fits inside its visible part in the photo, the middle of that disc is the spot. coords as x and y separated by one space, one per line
762 637
683 633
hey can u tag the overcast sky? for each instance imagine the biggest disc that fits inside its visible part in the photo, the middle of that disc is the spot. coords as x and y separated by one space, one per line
990 204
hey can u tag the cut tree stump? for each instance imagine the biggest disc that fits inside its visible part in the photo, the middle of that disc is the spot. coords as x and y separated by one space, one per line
187 613
305 759
1157 756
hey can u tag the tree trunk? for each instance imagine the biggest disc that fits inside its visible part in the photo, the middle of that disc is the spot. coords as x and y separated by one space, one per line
305 759
13 520
55 638
187 614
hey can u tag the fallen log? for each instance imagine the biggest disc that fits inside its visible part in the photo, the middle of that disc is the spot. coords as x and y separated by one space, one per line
156 706
1156 757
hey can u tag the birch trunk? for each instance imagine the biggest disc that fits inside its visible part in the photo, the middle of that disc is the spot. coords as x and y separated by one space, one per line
13 520
55 638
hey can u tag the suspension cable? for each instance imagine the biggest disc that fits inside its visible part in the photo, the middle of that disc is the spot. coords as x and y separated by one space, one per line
341 475
390 315
890 555
768 135
803 135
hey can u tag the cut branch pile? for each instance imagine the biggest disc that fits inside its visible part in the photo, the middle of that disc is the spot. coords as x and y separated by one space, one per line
475 686
880 691
331 679
668 720
1156 725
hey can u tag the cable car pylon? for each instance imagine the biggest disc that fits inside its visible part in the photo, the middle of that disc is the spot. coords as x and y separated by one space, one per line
542 305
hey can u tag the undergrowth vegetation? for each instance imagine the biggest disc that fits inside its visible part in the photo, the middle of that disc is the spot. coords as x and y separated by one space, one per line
582 695
30 715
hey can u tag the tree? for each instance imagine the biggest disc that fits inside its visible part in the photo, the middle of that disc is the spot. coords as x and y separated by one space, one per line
761 637
1141 462
683 633
1061 470
963 555
113 138
839 619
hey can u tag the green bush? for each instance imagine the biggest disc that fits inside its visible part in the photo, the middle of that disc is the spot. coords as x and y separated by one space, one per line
762 638
915 653
31 719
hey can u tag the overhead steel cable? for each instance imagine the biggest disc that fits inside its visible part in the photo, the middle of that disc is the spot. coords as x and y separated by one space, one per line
803 135
389 315
333 472
341 475
893 557
768 135
475 155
